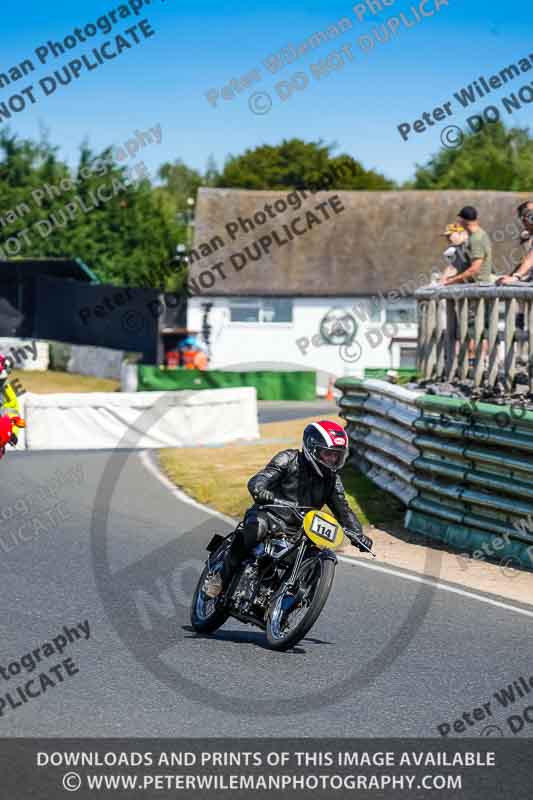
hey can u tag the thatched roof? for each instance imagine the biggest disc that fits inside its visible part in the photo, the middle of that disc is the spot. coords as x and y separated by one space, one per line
380 241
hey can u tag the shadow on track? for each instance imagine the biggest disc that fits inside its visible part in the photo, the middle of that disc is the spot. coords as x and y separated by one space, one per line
246 637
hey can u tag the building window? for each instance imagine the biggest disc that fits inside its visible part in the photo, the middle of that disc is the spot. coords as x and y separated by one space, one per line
244 311
405 315
367 310
374 309
408 358
257 309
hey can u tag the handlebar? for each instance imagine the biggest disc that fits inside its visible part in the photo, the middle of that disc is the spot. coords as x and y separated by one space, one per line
298 510
288 504
355 534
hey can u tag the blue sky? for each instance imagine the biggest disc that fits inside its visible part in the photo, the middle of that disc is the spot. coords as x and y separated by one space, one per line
203 46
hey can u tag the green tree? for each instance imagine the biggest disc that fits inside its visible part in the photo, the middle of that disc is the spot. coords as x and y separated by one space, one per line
128 238
179 183
212 174
295 164
496 158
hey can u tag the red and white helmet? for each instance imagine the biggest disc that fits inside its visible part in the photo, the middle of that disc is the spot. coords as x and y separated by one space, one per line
325 444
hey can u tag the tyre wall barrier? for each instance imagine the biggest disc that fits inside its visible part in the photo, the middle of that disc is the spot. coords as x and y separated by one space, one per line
464 471
140 419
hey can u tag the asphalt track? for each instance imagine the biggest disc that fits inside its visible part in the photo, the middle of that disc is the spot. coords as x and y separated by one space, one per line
277 412
388 657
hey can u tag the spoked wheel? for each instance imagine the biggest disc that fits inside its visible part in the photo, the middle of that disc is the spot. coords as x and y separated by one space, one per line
207 613
293 613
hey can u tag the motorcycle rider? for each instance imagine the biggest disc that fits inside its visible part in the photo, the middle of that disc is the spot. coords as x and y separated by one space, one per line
306 477
9 407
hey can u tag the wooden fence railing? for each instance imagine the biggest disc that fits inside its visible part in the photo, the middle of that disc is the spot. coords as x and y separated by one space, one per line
478 333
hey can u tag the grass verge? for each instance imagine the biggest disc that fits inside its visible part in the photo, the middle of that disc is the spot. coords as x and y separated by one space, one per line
49 382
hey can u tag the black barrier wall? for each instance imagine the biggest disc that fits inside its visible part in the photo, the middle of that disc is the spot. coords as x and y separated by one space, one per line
100 315
18 279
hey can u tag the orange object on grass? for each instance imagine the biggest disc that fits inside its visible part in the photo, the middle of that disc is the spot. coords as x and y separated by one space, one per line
200 360
173 359
188 357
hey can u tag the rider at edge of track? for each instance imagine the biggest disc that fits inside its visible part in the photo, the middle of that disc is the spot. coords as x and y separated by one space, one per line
307 477
9 407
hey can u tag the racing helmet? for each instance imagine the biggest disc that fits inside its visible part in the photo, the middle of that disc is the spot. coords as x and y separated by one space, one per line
325 445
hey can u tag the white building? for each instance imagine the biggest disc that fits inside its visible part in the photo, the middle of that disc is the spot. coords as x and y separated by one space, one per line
322 282
262 331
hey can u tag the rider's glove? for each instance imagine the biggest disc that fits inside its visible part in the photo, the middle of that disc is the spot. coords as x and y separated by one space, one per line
264 497
359 540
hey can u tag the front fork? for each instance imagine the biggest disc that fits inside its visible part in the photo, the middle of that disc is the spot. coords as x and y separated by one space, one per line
291 583
325 554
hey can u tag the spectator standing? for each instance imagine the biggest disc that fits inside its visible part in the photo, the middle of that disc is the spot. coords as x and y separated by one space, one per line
455 255
524 271
478 248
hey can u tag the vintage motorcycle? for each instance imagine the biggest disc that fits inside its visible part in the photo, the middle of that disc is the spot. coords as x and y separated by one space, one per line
7 434
282 588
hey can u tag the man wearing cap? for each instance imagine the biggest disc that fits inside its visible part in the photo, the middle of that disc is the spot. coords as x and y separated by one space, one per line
478 250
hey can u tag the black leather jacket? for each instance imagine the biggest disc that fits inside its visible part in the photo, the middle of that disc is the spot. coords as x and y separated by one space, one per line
290 476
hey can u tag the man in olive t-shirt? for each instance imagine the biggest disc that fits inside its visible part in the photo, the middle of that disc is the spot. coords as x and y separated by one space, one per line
479 250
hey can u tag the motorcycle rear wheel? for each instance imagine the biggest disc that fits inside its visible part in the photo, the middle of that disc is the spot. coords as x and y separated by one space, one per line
207 615
316 589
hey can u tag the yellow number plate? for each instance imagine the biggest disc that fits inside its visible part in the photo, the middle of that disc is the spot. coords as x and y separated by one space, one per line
323 529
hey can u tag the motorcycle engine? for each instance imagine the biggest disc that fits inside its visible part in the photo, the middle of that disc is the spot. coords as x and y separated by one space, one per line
246 587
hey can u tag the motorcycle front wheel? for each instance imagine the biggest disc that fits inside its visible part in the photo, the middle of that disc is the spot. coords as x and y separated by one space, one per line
293 613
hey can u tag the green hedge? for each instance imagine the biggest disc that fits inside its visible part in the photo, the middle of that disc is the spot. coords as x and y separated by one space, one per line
59 356
269 385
